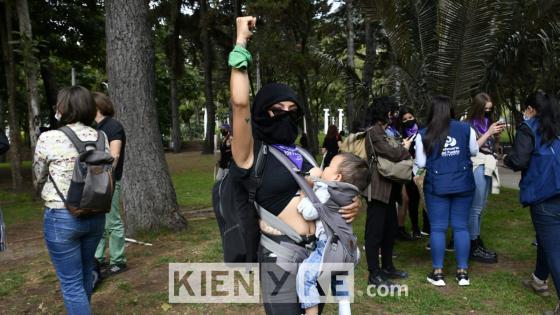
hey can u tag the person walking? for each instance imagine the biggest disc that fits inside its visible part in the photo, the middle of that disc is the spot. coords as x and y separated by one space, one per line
536 153
114 227
330 145
71 241
444 148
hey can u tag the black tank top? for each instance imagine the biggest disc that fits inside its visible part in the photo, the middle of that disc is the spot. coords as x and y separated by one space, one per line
278 187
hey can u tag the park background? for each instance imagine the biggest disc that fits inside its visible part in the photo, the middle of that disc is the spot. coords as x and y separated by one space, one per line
164 64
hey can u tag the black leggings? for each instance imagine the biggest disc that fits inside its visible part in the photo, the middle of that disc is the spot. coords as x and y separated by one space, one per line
413 205
381 227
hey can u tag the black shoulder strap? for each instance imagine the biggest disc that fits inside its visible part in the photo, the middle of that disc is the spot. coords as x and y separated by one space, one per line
260 153
100 145
80 146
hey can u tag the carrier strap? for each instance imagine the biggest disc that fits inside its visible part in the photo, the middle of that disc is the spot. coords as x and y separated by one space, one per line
278 249
278 224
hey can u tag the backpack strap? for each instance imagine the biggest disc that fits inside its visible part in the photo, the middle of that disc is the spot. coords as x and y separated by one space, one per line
79 144
100 144
256 175
58 192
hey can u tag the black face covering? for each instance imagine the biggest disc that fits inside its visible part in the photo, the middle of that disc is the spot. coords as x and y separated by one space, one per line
282 128
409 123
488 114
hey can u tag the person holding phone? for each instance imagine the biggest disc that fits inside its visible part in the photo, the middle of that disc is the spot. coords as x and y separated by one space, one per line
410 128
480 117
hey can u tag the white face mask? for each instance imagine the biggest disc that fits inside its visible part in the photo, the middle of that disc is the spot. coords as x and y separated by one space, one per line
57 116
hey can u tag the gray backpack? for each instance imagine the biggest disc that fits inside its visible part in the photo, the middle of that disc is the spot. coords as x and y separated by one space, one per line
341 247
92 186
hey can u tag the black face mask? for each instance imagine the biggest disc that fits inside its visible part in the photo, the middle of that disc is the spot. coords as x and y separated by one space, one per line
488 114
224 133
282 128
409 123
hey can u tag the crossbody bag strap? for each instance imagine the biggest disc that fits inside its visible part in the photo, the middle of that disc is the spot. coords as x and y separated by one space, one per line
60 194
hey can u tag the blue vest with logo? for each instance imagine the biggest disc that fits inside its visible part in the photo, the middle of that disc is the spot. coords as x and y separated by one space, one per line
541 180
449 171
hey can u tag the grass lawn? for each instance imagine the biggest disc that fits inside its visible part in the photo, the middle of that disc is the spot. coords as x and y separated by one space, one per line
28 283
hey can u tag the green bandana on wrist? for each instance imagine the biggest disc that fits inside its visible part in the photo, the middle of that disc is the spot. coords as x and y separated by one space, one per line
239 58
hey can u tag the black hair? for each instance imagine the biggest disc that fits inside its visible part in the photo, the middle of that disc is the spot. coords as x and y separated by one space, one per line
354 170
76 104
379 111
548 114
437 129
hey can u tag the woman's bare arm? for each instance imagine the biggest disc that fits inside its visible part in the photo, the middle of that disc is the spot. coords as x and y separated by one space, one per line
242 140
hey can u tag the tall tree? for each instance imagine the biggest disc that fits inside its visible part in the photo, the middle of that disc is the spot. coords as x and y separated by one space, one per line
10 71
175 61
350 106
148 195
30 66
208 88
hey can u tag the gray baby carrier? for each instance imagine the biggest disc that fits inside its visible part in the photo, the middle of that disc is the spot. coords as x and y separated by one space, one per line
341 245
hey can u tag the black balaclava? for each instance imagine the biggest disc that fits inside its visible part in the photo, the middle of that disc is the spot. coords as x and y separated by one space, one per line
281 129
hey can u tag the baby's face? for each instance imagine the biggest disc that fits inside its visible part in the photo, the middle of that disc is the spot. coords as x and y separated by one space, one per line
331 172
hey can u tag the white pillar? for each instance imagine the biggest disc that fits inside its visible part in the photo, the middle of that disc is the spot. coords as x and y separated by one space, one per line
326 119
205 122
304 125
340 115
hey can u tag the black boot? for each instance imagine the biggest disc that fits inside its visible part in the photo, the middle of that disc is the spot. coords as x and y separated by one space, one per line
481 245
477 254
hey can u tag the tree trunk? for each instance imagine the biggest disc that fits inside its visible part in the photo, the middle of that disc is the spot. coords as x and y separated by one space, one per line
312 129
369 67
148 195
174 71
208 91
30 66
13 119
51 87
350 62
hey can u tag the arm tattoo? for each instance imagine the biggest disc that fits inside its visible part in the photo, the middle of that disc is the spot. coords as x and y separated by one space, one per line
248 119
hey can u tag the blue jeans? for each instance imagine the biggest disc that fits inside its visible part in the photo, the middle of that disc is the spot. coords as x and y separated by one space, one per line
443 209
308 273
546 219
483 186
541 267
71 243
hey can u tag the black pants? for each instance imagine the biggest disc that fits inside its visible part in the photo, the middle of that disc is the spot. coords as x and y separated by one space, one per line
278 287
413 205
381 228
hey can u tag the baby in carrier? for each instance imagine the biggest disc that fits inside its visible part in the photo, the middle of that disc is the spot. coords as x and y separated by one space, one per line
345 177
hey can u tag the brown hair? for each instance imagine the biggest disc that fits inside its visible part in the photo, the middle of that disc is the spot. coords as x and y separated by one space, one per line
478 105
332 132
76 104
354 170
104 104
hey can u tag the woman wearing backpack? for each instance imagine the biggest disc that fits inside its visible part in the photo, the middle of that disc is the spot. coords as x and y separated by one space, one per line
381 220
71 241
271 120
536 152
444 148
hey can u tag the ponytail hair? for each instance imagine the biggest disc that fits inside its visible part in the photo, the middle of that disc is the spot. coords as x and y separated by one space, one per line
548 115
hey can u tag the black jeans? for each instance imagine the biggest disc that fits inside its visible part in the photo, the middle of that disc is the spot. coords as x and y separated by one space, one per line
381 228
413 205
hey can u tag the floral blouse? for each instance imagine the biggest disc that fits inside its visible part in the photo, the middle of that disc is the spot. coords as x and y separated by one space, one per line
55 155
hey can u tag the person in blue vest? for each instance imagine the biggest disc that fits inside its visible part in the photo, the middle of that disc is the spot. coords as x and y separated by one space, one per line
536 153
444 148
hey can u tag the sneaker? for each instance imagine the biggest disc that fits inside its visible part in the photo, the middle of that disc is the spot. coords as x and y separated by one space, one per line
424 233
402 235
555 312
393 274
462 278
436 279
537 285
114 269
535 243
378 281
416 235
428 246
477 254
481 245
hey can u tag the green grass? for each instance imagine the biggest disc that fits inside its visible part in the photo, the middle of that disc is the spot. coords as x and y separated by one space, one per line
495 289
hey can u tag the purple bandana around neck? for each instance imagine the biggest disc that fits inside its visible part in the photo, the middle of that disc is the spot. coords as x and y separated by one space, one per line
292 153
480 125
409 132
